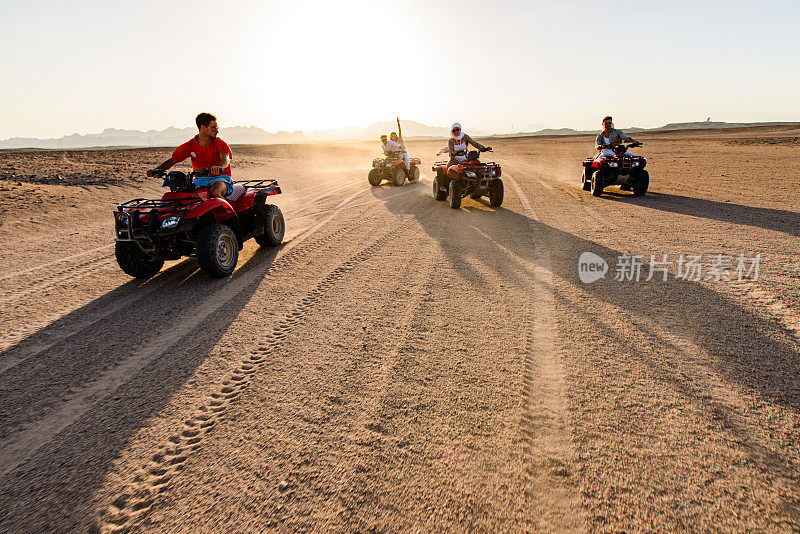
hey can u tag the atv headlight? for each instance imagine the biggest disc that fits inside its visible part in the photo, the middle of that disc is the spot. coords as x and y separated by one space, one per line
613 164
635 163
470 174
123 219
170 222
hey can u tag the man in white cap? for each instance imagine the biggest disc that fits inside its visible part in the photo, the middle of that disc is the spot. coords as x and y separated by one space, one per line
458 143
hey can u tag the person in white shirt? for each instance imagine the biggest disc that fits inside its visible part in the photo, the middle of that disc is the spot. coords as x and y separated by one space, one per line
395 147
611 137
458 143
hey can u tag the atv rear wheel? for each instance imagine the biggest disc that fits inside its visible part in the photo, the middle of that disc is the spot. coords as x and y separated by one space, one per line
414 174
495 193
439 193
399 177
641 185
217 250
597 183
274 228
455 194
134 262
374 177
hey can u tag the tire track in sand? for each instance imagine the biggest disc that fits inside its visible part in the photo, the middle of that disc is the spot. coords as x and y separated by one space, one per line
551 493
13 358
22 445
138 497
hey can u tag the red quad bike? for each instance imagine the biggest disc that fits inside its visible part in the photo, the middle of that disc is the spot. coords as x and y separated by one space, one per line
186 222
470 177
620 169
392 169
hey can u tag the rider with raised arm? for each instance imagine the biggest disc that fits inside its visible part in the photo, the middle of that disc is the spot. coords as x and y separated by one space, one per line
207 152
395 147
611 137
458 143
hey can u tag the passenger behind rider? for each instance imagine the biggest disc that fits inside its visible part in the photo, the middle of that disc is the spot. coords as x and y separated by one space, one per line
611 137
395 147
207 152
458 143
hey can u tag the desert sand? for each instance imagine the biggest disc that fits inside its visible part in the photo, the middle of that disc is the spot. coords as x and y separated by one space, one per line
397 365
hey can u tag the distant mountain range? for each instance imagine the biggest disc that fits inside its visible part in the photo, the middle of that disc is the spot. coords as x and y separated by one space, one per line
251 135
240 135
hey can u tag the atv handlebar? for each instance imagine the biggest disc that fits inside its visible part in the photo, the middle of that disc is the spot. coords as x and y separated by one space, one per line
630 145
465 152
160 173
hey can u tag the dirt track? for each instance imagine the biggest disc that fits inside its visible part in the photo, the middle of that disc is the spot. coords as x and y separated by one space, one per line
398 365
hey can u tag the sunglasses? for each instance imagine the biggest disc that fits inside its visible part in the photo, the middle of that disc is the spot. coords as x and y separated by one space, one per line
456 130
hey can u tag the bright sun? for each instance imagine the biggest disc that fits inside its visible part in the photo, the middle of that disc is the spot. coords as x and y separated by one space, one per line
344 64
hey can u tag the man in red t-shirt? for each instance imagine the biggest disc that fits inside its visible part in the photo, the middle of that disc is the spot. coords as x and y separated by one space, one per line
207 152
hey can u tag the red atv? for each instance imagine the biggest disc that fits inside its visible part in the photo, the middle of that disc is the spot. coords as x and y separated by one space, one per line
392 169
620 169
470 177
187 222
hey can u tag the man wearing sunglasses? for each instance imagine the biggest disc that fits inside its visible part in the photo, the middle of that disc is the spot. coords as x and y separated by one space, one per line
611 137
458 143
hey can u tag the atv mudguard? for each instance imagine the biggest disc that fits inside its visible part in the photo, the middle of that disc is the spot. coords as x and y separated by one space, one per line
219 208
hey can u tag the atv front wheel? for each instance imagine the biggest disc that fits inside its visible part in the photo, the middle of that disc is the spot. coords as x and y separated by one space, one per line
134 262
414 174
586 181
641 185
374 177
439 193
274 228
399 177
455 194
217 250
597 183
495 193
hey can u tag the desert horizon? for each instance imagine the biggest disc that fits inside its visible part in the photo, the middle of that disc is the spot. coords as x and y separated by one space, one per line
252 135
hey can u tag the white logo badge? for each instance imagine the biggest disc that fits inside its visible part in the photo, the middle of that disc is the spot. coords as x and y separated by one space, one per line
591 267
193 154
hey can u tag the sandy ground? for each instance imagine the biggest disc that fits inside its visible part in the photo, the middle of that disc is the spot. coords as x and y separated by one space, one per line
398 365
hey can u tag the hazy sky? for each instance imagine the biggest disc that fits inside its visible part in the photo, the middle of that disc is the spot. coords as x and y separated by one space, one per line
85 65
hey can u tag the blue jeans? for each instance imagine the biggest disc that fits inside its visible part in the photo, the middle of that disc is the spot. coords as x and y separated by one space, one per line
207 181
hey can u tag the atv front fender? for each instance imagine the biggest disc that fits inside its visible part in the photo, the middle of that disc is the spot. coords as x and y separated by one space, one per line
219 208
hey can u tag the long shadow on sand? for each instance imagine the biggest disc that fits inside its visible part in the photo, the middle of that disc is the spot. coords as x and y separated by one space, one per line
770 219
744 349
754 352
53 489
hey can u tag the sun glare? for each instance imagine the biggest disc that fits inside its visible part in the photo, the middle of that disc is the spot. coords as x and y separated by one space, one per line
341 64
